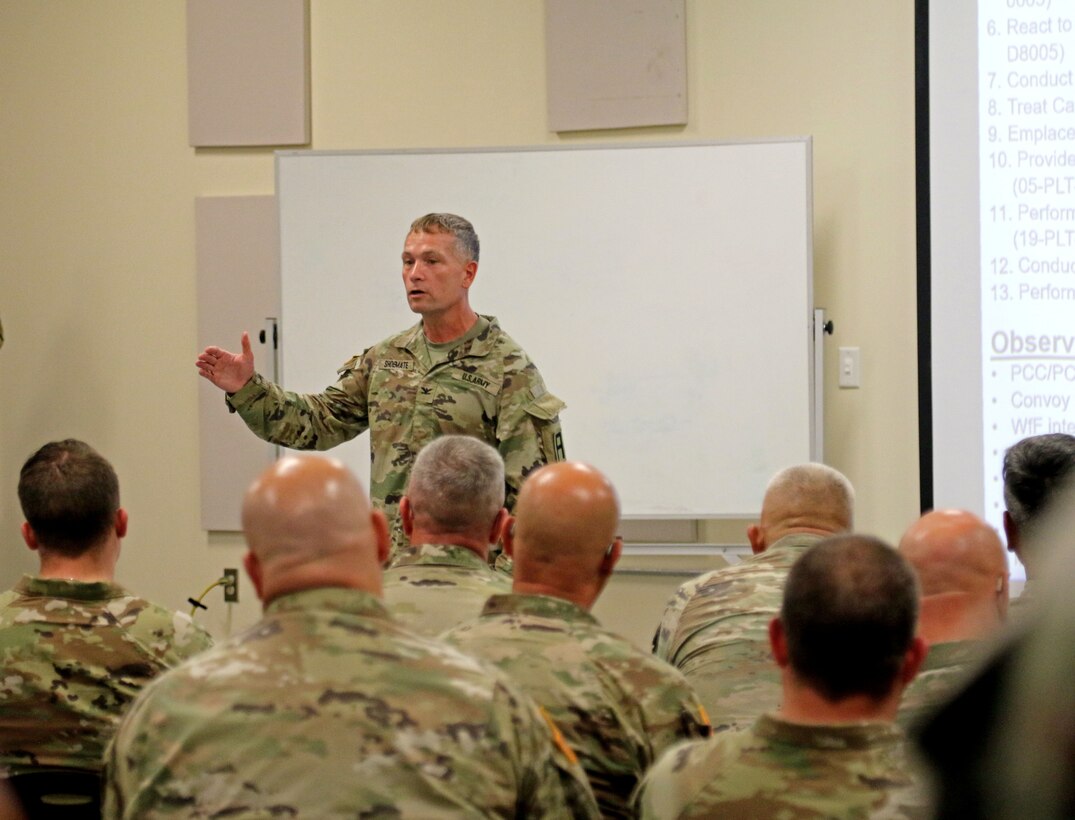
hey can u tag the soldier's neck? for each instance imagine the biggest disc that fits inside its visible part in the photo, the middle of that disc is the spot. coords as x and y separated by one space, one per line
88 568
802 704
449 326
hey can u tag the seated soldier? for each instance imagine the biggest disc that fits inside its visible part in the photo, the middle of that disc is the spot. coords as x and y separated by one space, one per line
963 580
76 647
617 706
845 645
715 628
1035 470
327 707
452 512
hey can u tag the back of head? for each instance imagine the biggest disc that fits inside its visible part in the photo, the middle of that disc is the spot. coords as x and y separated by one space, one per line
849 614
69 495
308 523
954 551
1035 470
466 239
457 486
808 497
566 519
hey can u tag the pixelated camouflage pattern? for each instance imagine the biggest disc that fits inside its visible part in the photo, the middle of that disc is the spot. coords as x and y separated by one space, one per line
618 707
941 675
715 630
73 655
432 587
505 564
778 769
329 708
485 387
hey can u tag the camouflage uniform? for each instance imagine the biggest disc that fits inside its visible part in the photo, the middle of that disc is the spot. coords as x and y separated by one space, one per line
617 706
329 708
432 587
781 769
73 655
716 631
944 670
407 395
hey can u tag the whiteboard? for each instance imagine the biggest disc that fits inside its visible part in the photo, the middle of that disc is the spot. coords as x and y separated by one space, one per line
664 292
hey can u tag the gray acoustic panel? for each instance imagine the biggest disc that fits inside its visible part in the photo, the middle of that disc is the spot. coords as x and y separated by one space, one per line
248 72
238 289
615 63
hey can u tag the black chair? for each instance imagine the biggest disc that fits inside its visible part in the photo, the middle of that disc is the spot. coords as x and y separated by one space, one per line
58 793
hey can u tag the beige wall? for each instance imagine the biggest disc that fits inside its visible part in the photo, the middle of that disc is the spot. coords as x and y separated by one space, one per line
97 188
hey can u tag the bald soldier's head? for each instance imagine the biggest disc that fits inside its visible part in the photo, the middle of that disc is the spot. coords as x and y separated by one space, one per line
962 572
805 498
308 524
563 535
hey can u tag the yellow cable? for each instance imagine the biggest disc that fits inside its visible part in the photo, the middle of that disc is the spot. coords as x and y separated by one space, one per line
197 602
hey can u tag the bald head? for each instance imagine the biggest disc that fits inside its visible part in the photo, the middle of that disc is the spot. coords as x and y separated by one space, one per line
961 564
954 551
308 523
804 498
566 519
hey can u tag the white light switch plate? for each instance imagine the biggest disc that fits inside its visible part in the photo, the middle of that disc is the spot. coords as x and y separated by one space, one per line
850 367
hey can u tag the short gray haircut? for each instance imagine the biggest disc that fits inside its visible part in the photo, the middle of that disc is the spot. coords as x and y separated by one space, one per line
466 239
457 482
1035 470
817 489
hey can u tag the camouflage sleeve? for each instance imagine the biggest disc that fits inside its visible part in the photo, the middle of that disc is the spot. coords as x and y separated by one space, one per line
555 784
307 421
528 426
170 637
666 630
670 784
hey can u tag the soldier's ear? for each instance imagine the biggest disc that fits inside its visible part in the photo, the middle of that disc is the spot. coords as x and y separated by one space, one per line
121 523
756 537
778 642
29 536
508 536
380 531
497 529
253 570
406 516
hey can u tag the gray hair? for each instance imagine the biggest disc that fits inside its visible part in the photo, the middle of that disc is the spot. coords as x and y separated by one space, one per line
457 482
1035 470
815 489
466 240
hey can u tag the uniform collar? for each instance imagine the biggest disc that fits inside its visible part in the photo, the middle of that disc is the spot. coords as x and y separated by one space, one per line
540 606
332 599
440 555
411 339
829 736
67 588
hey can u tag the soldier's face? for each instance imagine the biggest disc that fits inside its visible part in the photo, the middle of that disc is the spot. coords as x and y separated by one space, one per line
435 276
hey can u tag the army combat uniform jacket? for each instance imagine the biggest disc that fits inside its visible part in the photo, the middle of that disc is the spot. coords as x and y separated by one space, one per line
783 769
432 587
716 631
329 708
484 386
73 655
617 706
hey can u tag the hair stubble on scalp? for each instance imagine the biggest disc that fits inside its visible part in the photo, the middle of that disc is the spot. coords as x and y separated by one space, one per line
849 613
69 495
811 494
466 238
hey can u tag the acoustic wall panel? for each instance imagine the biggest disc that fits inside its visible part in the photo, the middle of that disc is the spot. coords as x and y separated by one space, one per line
248 72
615 63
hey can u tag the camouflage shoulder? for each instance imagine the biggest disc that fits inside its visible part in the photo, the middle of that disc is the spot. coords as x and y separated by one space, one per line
169 635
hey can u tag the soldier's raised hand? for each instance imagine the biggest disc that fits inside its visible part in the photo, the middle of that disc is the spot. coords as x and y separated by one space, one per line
228 371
